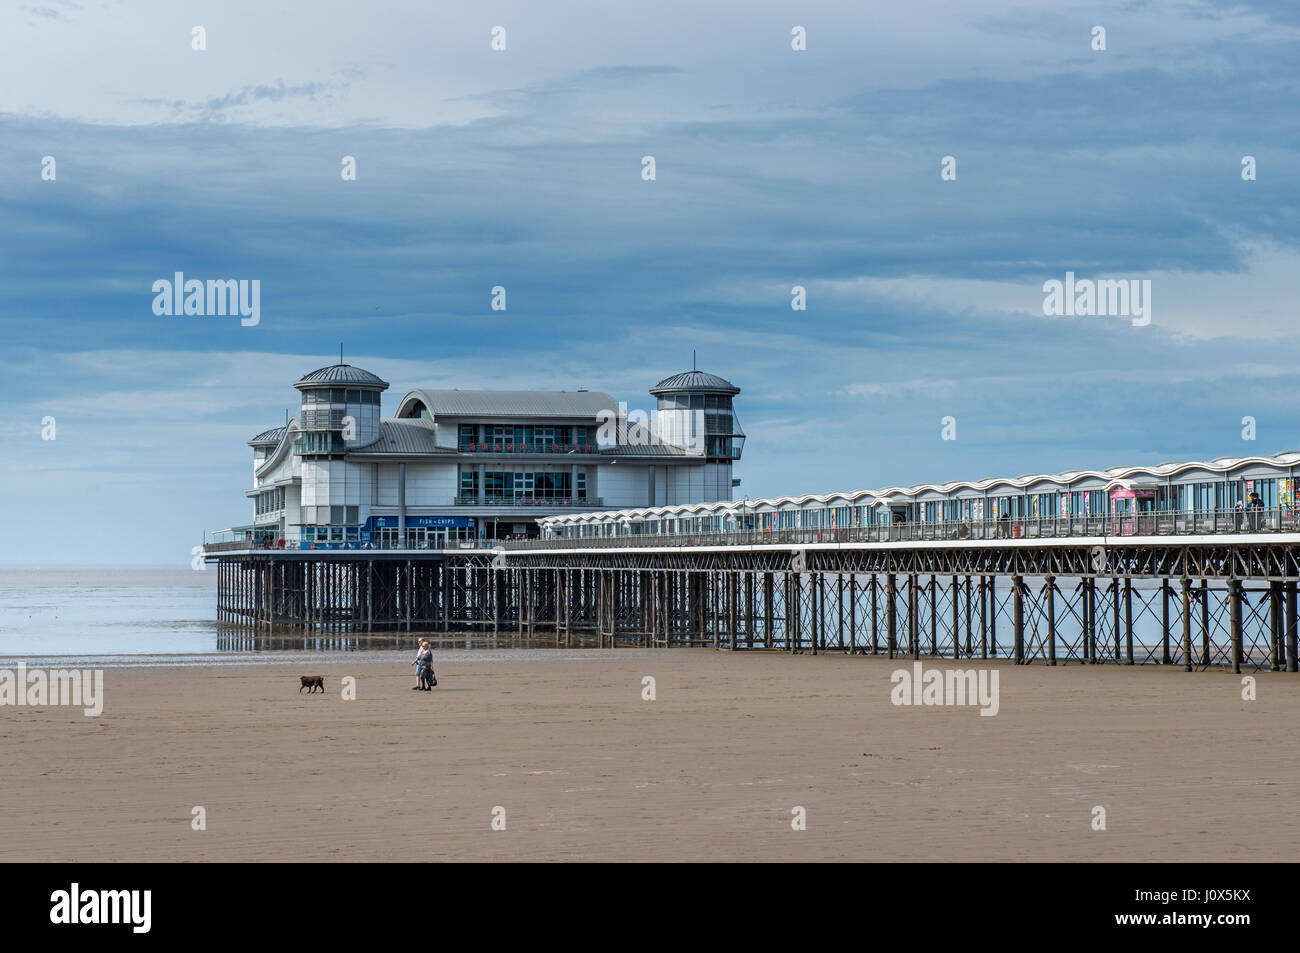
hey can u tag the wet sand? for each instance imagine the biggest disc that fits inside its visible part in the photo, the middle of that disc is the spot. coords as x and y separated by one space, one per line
710 770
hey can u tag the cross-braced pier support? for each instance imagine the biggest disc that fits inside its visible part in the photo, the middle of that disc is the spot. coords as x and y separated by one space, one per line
1191 607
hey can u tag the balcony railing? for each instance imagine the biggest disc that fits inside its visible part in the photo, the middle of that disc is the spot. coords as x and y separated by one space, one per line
471 500
294 545
468 447
1284 519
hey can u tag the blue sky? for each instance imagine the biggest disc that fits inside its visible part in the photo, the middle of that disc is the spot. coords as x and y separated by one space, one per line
522 168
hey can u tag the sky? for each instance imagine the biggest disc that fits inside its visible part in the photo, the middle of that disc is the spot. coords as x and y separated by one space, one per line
523 168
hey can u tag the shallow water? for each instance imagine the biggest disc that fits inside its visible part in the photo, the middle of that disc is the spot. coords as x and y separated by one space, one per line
100 611
167 616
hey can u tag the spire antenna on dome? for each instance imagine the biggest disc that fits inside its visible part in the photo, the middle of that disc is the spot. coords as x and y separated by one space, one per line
693 367
340 352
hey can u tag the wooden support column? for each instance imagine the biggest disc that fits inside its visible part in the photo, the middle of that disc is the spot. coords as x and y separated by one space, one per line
790 590
1276 652
984 618
1187 623
815 598
1018 635
1088 626
853 613
993 615
875 615
731 611
914 615
1205 622
839 606
955 592
969 632
1115 615
1165 592
1292 626
1049 588
892 616
1128 617
769 610
1234 614
934 615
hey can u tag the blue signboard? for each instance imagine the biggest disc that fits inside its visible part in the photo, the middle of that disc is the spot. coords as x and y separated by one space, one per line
413 522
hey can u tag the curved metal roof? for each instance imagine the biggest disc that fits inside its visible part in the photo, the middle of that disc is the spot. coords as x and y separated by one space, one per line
342 374
404 437
267 437
694 381
898 494
585 405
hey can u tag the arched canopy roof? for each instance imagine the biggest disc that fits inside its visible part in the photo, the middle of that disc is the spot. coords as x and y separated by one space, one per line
1109 477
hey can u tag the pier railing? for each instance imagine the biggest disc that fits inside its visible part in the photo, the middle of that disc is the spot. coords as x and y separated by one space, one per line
1221 522
293 545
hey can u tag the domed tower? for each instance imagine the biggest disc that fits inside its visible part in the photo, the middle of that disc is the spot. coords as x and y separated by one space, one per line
695 413
340 409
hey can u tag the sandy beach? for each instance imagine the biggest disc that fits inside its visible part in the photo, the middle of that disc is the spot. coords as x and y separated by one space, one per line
710 770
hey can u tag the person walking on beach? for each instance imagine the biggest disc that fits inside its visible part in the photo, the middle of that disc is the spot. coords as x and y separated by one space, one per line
423 667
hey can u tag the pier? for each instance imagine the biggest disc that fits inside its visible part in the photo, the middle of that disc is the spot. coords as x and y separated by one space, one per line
1204 601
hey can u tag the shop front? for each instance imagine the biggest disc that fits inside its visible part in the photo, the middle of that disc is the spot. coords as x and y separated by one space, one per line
422 532
1132 511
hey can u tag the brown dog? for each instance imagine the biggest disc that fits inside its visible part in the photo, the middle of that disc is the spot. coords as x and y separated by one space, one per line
311 683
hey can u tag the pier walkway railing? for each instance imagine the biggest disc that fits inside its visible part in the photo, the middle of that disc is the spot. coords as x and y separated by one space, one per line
1222 522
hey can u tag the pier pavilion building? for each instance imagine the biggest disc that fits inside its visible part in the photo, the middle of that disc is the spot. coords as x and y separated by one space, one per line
453 467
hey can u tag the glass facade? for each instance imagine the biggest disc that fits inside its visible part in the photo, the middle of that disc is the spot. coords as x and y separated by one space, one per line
533 438
519 484
723 438
322 441
324 396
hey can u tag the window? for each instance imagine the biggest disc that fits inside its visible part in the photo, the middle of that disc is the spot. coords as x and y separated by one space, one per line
320 442
526 484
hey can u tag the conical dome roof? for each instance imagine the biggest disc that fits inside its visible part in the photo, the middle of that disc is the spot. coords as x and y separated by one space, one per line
342 374
695 382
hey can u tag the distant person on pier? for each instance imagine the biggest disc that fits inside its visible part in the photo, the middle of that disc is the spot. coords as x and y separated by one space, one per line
1255 508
